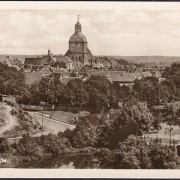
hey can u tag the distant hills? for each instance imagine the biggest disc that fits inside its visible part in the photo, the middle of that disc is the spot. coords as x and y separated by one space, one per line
165 60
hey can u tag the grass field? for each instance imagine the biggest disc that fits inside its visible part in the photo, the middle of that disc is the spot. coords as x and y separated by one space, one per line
60 115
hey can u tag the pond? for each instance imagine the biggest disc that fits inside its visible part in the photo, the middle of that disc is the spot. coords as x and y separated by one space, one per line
64 162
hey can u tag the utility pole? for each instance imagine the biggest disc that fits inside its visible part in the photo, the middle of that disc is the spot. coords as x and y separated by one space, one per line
170 134
52 112
42 117
42 103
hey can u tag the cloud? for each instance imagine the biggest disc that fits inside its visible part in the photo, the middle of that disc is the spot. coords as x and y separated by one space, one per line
116 32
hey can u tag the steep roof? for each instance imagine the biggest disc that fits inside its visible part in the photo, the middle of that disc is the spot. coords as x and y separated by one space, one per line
120 68
113 61
65 80
45 60
105 62
129 77
31 78
33 61
89 52
146 74
61 71
63 58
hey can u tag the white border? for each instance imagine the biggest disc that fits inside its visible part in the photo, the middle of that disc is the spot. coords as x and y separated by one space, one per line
71 173
88 173
90 5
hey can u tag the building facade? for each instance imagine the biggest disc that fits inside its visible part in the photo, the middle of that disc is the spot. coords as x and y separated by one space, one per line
78 46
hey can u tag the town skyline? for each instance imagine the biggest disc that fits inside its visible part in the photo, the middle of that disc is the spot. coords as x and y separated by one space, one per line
109 32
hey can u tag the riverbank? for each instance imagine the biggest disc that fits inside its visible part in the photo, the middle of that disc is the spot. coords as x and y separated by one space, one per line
19 161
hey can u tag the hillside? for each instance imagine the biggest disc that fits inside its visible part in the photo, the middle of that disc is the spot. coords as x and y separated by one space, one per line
7 121
18 122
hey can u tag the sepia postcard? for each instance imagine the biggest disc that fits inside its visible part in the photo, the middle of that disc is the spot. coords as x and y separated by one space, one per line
90 89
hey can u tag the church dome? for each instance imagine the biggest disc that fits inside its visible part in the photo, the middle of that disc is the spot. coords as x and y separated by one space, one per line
78 23
78 37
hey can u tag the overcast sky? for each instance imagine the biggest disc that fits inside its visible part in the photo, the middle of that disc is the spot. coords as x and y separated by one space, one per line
109 32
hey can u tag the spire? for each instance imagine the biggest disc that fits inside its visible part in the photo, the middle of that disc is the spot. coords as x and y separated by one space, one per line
78 26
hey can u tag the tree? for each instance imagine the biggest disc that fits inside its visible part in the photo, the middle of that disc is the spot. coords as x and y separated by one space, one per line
148 91
134 119
98 89
84 135
34 91
124 93
11 80
43 87
67 97
104 135
172 74
171 116
172 113
162 157
79 92
136 153
26 145
4 146
153 92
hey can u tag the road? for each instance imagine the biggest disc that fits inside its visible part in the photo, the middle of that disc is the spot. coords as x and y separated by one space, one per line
164 134
11 121
51 125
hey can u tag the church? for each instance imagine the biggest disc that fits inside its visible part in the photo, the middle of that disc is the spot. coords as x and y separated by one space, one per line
78 47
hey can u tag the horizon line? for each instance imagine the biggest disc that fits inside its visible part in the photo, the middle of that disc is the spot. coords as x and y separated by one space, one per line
98 55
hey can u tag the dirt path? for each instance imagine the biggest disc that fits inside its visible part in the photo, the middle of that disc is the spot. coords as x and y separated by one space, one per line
11 121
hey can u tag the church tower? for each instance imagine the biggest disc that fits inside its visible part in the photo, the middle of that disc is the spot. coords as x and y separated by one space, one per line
78 49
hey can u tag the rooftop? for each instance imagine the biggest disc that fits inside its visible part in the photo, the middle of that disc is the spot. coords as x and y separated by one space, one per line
129 77
65 80
106 73
146 74
31 78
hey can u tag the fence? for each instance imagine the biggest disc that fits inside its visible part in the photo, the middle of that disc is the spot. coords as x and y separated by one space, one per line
49 108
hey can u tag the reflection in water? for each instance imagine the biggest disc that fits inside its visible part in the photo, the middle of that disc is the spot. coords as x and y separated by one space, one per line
65 162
